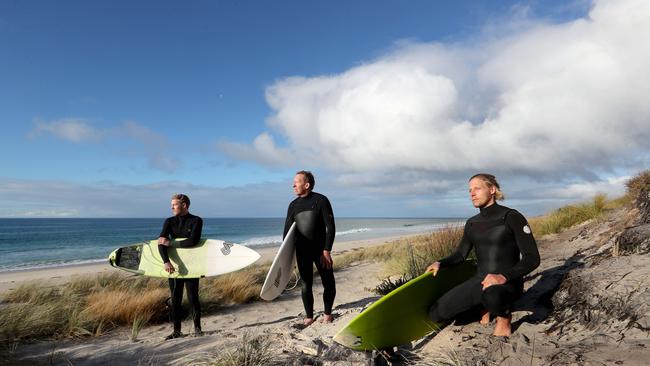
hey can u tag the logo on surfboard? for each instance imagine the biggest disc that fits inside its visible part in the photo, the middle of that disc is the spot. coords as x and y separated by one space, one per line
226 248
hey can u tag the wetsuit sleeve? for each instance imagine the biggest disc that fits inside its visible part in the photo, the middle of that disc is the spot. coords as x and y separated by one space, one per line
461 251
330 227
165 233
166 229
195 237
526 244
288 221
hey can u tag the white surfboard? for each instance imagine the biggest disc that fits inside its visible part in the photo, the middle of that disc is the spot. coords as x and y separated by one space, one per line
282 267
208 258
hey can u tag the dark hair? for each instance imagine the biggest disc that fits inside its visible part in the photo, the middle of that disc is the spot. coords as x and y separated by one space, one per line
310 178
491 181
183 198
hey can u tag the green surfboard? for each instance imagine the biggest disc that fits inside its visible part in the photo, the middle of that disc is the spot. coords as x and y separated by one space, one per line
402 316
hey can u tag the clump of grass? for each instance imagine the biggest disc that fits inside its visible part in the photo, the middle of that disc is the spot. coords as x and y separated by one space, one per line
238 287
389 284
250 351
119 307
638 191
138 323
419 252
639 184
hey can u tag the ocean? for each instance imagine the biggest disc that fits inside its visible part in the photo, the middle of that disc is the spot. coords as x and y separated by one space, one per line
41 243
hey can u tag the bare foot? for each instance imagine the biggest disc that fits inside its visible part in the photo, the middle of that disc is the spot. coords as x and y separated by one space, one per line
308 321
503 328
485 318
327 318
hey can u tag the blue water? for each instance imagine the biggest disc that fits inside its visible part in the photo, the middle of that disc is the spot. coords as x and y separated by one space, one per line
36 243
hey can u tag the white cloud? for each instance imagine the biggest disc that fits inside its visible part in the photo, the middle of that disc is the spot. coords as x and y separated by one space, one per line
71 129
154 146
565 99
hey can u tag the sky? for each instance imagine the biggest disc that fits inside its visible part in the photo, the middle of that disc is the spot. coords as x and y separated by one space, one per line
108 108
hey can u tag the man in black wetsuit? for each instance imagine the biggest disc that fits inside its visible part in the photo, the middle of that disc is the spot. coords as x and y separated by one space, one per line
182 225
505 251
312 213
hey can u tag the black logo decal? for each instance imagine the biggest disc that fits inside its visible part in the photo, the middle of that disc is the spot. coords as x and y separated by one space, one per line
226 248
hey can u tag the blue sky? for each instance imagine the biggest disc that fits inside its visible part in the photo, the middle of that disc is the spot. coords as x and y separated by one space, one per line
224 100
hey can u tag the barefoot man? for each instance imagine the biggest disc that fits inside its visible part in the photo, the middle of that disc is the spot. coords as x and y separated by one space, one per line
505 251
312 213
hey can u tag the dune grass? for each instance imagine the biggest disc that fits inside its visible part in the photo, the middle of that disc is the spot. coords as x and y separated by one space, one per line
95 305
571 215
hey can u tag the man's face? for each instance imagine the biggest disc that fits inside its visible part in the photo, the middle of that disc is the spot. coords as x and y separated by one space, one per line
480 193
300 185
178 208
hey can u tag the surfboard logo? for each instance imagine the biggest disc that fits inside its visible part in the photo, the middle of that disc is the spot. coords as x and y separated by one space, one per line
276 282
527 229
226 248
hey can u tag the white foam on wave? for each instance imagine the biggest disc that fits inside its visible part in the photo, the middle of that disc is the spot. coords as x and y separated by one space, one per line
353 231
263 241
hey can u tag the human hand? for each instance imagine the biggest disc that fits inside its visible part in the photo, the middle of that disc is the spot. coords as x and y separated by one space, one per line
326 260
433 268
169 268
493 279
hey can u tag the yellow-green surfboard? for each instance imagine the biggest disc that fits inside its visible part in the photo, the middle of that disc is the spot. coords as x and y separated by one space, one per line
402 316
208 258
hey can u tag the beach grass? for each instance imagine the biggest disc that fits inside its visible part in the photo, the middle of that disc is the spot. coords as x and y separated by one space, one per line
575 214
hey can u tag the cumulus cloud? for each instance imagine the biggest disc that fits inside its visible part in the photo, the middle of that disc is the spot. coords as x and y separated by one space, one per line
560 100
144 141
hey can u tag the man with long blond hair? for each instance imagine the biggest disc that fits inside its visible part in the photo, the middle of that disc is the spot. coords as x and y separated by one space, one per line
505 251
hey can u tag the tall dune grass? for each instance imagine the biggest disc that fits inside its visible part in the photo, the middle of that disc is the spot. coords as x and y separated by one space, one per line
571 215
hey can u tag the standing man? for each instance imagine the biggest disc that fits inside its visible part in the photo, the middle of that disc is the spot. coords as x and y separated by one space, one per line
312 213
182 225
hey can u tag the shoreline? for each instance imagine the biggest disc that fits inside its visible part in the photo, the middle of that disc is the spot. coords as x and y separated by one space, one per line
59 275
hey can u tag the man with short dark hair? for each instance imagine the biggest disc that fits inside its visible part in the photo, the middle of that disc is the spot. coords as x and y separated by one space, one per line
182 225
312 213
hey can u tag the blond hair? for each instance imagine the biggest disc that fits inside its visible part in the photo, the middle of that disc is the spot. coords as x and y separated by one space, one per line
491 181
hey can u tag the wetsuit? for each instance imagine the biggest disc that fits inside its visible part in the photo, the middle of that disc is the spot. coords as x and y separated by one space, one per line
190 227
315 232
504 245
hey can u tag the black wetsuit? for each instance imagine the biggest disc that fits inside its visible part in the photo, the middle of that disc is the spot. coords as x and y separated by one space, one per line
315 232
504 245
190 227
